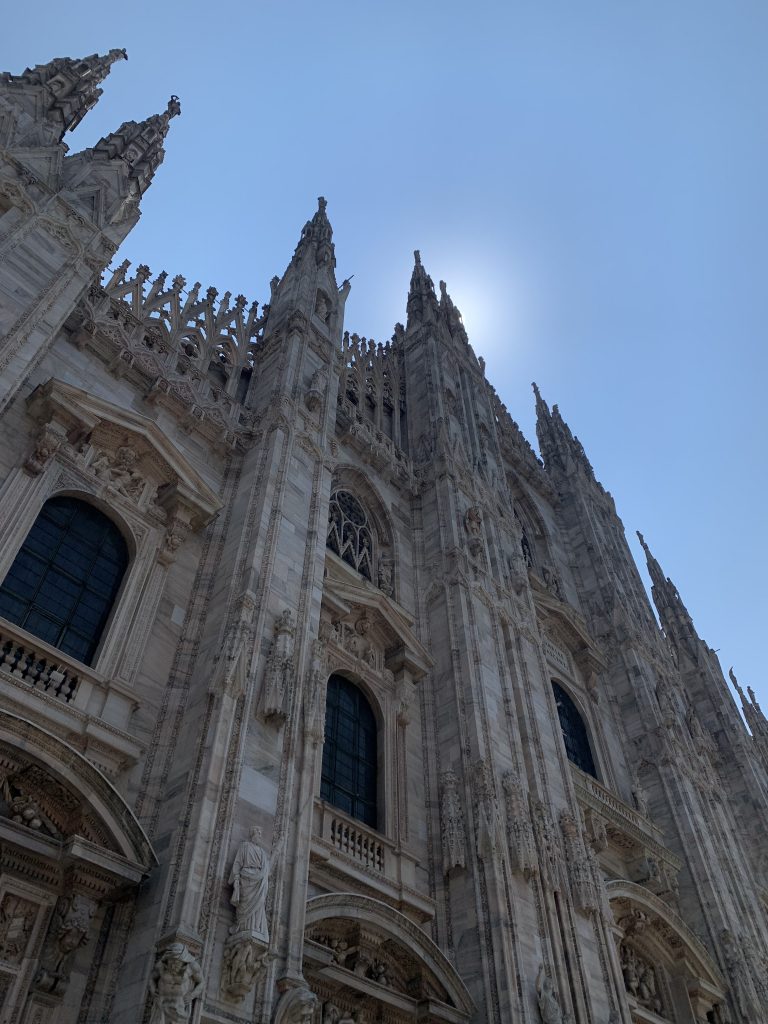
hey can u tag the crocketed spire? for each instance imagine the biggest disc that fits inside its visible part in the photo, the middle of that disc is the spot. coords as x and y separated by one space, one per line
69 87
557 444
140 144
422 301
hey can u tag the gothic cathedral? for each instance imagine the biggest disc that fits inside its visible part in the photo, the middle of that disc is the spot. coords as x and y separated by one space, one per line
322 697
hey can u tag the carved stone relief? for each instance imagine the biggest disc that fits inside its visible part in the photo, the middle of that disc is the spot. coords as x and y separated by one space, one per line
452 823
175 983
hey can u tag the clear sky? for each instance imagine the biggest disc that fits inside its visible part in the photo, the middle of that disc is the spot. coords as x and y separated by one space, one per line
589 178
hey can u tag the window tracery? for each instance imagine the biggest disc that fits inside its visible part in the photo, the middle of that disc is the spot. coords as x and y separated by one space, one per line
349 532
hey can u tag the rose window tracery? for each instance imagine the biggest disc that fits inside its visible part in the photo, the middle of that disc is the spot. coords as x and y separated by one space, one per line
349 532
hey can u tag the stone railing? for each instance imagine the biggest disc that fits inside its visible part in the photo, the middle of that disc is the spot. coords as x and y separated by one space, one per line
75 702
358 844
344 847
44 671
596 797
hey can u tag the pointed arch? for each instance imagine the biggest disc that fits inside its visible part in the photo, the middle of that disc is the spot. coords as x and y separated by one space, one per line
364 536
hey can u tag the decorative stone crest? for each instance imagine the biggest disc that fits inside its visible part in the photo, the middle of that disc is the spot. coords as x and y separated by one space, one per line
176 982
67 932
522 849
452 823
280 669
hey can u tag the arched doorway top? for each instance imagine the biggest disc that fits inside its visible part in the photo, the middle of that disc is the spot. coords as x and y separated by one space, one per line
75 801
635 907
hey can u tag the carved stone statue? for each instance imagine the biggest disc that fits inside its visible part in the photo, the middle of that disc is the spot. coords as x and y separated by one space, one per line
249 879
296 1006
176 982
385 576
452 824
549 1007
244 960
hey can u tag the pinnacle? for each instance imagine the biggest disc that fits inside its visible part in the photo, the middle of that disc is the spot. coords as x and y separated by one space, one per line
142 141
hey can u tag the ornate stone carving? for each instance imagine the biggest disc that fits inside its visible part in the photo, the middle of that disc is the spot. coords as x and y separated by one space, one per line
552 582
473 524
546 996
314 694
582 881
119 471
67 932
17 919
486 809
249 879
280 669
244 960
522 850
296 1006
744 993
452 823
551 867
384 576
176 982
318 384
640 979
48 441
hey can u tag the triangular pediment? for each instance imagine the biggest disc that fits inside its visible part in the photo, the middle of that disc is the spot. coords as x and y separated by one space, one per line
347 594
82 415
569 626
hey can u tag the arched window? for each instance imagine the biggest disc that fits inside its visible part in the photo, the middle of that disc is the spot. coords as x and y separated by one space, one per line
349 532
65 578
575 736
349 755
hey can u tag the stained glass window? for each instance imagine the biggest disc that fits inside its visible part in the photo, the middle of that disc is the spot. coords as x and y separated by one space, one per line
64 580
349 754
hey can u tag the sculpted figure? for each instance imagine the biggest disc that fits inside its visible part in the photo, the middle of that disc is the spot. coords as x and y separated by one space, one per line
296 1006
249 879
549 1008
175 984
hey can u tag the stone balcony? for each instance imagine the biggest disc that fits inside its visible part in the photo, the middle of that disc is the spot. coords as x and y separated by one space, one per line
347 853
633 840
68 699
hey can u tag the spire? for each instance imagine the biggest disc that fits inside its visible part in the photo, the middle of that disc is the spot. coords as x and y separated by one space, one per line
317 238
422 301
451 314
753 713
308 285
558 446
70 87
677 623
140 144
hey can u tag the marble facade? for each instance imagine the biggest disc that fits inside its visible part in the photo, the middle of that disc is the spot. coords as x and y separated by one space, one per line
300 504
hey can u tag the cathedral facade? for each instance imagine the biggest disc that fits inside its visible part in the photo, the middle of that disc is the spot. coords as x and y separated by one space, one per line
323 698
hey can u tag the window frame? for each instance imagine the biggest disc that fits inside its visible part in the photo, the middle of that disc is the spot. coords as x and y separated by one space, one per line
557 684
53 564
364 697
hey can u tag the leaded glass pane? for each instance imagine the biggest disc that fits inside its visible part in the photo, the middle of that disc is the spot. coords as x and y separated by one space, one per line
349 753
65 578
575 736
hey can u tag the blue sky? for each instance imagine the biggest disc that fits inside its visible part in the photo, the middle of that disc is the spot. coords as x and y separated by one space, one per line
589 178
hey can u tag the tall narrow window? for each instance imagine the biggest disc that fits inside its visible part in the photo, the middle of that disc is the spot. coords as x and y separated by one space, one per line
64 580
575 736
349 532
349 754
